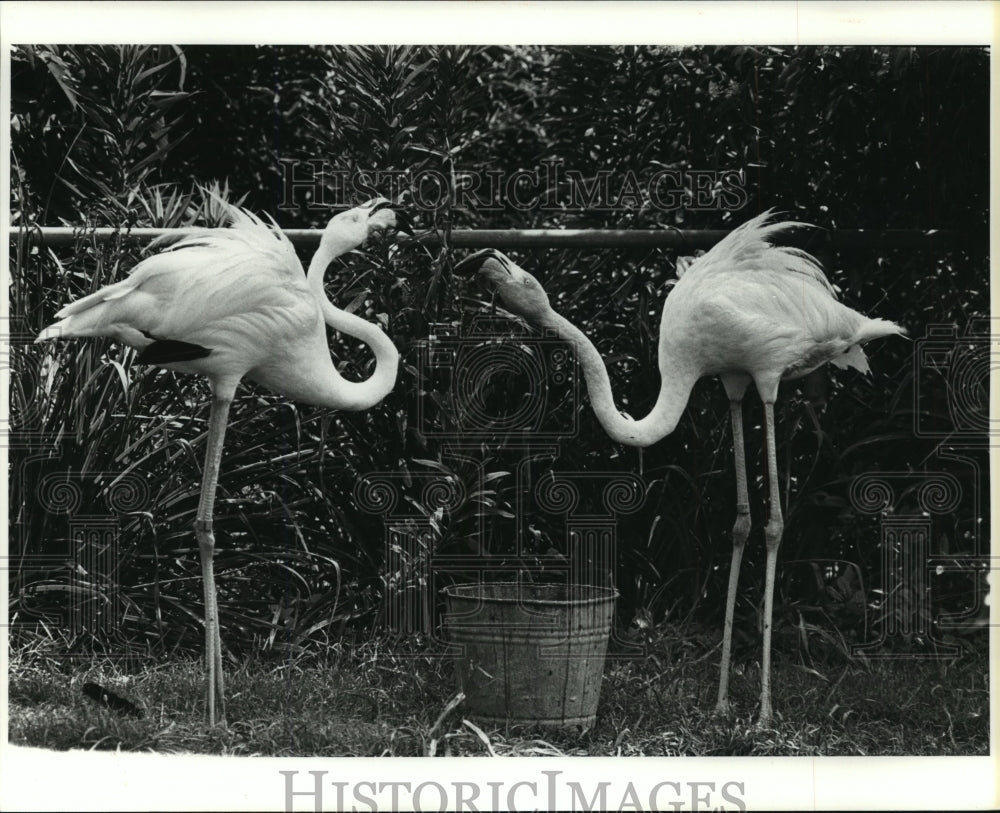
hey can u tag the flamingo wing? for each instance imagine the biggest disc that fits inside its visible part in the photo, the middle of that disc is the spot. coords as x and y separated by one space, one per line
229 293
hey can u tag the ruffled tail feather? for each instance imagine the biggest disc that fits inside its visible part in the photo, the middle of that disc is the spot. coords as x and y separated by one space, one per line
871 329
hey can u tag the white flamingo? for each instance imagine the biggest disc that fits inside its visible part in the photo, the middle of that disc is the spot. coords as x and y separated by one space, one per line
234 303
745 311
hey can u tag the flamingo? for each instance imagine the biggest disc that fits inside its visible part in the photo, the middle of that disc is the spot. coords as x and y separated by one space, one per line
234 303
745 311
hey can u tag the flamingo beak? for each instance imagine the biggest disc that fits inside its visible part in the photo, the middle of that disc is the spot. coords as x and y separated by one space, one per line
403 222
475 261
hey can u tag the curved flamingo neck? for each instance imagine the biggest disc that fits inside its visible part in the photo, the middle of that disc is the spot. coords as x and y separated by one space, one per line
675 387
339 393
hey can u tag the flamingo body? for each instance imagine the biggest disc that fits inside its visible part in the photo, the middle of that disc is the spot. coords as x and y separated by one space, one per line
752 307
235 303
226 304
747 310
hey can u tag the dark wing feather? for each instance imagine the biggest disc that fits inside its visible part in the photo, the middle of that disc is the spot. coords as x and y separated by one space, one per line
165 351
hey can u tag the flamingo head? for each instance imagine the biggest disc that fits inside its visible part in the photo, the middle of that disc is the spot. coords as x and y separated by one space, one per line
519 292
354 226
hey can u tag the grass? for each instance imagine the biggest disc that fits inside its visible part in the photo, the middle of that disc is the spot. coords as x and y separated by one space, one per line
374 701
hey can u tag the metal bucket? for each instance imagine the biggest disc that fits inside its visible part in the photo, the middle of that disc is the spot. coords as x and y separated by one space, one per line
530 653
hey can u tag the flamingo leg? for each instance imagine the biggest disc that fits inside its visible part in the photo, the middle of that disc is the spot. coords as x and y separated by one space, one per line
206 544
741 530
772 538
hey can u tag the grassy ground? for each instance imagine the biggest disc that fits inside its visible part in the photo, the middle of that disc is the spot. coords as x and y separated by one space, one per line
373 701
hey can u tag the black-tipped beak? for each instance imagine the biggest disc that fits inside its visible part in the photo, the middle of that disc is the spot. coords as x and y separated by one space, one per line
403 222
471 264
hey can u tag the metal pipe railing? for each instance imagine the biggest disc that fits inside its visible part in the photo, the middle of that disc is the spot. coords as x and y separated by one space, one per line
682 239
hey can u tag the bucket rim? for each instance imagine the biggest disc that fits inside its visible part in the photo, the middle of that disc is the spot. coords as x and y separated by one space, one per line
606 593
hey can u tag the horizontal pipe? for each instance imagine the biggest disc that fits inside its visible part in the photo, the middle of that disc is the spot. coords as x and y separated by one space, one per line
682 239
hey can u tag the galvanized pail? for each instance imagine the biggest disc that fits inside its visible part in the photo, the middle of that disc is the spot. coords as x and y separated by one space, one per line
530 653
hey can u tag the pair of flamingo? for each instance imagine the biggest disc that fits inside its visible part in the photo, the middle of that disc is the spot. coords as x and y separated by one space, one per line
235 303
